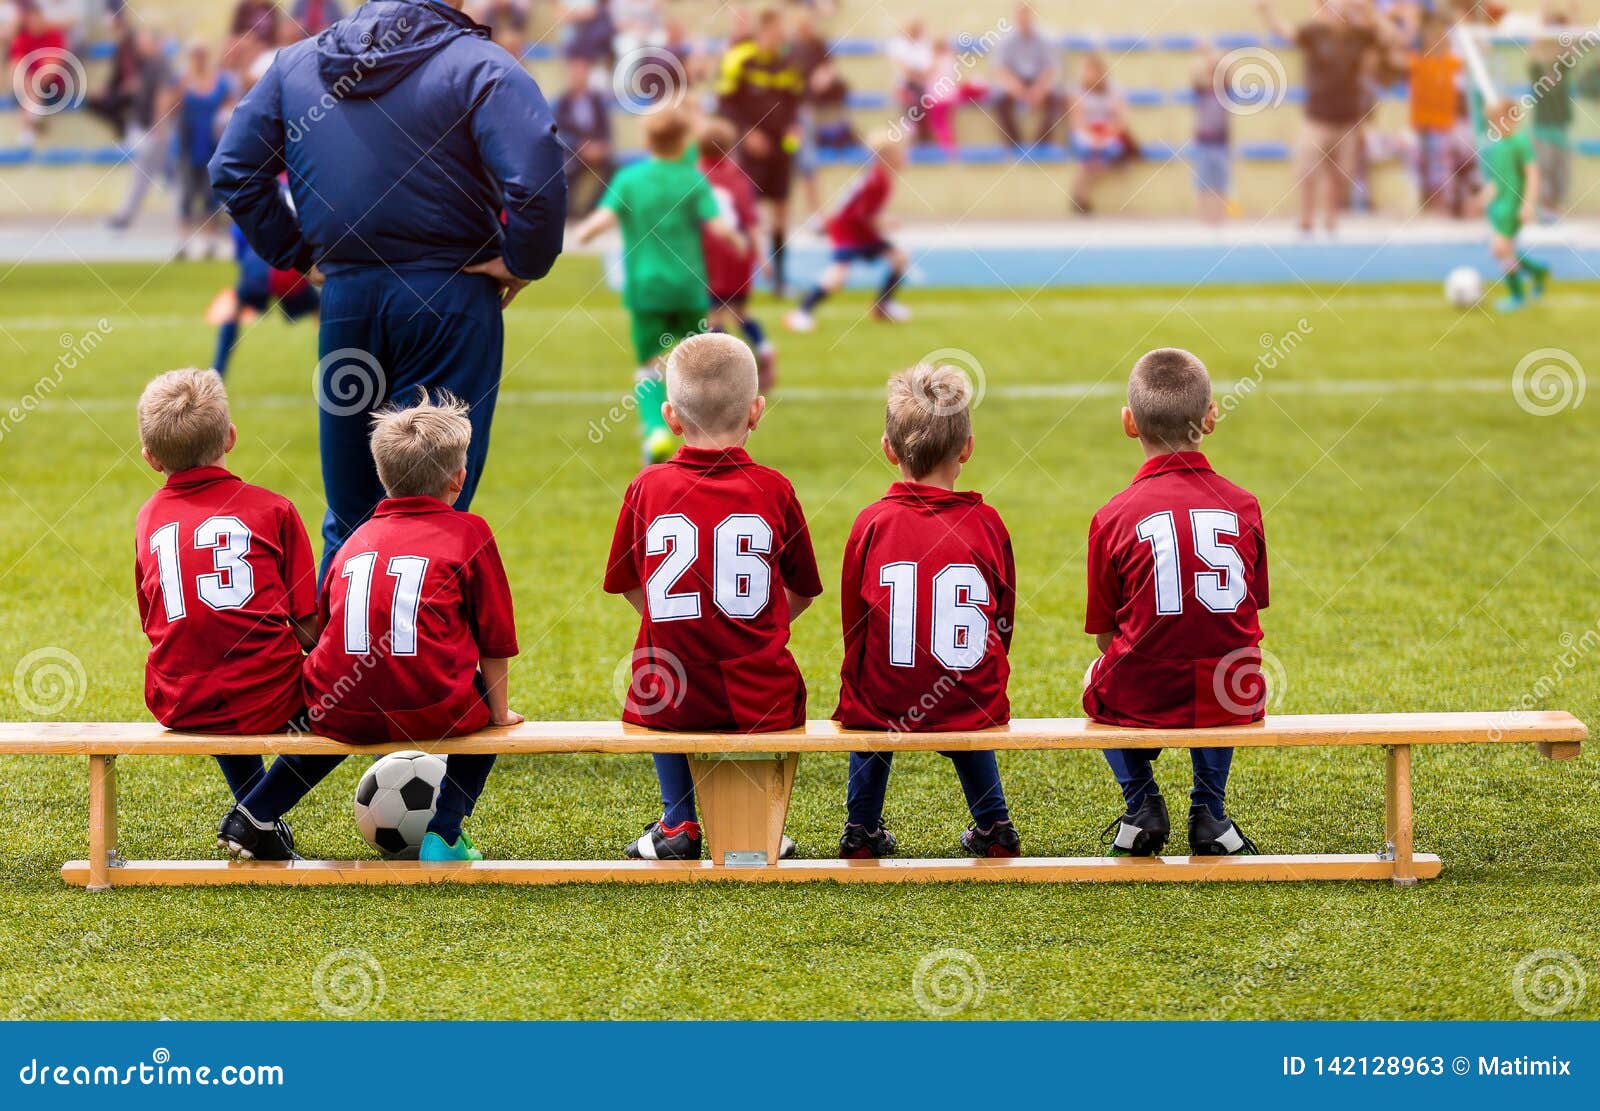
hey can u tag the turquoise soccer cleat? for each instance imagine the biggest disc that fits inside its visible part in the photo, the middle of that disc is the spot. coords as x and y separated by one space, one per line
436 848
1509 304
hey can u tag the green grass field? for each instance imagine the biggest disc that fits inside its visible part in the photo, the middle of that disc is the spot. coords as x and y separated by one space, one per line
1434 548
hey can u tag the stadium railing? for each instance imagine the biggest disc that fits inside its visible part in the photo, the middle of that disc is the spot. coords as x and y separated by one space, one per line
744 783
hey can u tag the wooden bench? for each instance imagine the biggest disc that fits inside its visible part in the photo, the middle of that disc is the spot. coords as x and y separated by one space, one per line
744 784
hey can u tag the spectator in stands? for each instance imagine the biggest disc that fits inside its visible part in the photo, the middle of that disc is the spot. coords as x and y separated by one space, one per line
41 74
1337 44
131 104
1552 119
808 50
588 31
911 55
1211 151
1435 73
948 89
638 24
257 19
583 121
312 17
204 93
507 21
1098 117
1029 77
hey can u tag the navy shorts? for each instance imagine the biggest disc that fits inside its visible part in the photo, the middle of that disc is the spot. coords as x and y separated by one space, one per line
865 252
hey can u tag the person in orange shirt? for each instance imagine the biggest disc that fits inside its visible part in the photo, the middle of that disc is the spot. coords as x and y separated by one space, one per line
1435 100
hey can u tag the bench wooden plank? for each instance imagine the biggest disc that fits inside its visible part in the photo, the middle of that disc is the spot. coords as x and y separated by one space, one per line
1089 869
1556 729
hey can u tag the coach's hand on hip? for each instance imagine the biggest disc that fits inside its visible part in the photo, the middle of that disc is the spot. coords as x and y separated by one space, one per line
510 285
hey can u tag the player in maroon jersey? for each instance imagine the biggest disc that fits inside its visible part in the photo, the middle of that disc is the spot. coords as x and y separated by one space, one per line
929 598
713 551
417 628
858 234
1177 575
730 268
225 578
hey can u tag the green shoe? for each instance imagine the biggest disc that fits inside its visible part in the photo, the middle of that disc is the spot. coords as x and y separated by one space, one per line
436 848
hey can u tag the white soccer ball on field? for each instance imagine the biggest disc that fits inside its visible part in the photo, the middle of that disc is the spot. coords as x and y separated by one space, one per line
395 801
1464 287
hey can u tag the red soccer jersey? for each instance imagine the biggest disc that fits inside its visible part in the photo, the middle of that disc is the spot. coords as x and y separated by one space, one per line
414 600
1177 571
729 272
221 569
713 539
855 222
929 597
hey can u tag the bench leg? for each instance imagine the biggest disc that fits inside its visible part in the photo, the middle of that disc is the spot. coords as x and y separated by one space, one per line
102 821
744 802
1398 820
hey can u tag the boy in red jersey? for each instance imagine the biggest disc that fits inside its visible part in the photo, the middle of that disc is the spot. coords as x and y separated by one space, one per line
929 598
1177 575
856 230
417 628
226 582
731 268
713 551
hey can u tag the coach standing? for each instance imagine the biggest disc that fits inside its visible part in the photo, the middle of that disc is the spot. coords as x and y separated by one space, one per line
427 188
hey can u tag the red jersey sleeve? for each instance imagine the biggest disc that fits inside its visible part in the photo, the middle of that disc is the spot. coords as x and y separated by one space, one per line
300 567
1006 603
852 607
797 561
1258 579
1105 588
488 595
622 566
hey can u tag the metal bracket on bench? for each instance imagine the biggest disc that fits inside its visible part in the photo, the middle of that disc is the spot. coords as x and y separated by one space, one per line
750 858
114 859
1387 852
739 754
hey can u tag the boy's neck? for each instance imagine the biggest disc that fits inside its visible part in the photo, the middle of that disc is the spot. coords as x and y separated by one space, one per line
702 442
942 478
1156 451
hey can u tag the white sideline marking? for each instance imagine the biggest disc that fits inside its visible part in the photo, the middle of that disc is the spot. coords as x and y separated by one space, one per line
823 394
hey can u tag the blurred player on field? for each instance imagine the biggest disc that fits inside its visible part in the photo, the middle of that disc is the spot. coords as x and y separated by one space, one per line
662 204
929 598
226 582
1177 575
259 287
729 269
713 551
859 233
417 632
1511 190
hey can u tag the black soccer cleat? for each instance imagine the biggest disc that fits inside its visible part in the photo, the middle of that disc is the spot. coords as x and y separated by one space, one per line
664 842
999 840
1209 836
1143 832
244 838
861 843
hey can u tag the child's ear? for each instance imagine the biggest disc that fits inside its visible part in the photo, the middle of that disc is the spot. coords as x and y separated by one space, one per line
757 407
966 449
155 465
670 415
458 482
233 438
1129 428
1209 424
888 452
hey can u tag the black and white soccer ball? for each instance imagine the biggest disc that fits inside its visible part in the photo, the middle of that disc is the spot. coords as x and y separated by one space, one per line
395 801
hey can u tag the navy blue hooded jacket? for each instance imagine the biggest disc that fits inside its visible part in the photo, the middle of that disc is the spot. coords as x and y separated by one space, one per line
405 133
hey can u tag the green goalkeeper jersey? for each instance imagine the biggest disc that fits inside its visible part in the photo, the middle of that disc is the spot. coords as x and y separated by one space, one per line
1505 166
661 207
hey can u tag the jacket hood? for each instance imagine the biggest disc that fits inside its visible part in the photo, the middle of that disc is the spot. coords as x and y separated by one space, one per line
374 49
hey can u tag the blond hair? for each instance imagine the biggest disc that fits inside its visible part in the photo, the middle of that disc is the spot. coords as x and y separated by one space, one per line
183 419
666 132
929 418
1169 392
420 449
712 382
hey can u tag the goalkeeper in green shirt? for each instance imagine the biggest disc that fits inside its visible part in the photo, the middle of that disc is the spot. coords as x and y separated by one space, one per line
661 203
1511 186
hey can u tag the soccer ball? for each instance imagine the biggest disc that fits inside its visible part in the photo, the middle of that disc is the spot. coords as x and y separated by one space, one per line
395 800
1464 287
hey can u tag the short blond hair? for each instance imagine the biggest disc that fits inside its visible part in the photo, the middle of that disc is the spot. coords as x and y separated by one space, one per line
1169 393
929 417
420 449
183 419
712 382
666 132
